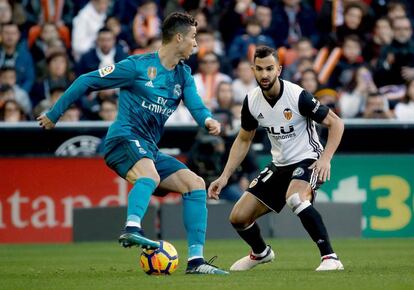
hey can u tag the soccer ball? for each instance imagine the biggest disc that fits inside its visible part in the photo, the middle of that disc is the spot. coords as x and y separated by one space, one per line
162 261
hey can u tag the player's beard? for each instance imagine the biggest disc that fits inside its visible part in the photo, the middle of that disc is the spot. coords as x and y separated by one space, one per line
269 84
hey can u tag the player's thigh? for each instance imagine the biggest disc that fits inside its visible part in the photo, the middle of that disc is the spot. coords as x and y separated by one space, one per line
182 181
131 159
246 210
302 187
303 181
144 167
175 175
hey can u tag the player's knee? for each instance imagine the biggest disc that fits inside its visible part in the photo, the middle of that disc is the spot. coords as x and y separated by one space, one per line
238 220
196 183
296 204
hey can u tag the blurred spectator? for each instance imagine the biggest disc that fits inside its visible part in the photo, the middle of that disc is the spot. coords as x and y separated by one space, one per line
329 98
108 109
40 47
396 9
350 61
303 64
208 78
377 107
6 13
207 42
114 24
263 13
405 109
233 19
396 62
146 24
73 114
8 78
13 54
107 52
353 23
382 36
91 103
55 93
11 112
58 75
244 82
292 20
309 81
244 46
353 97
303 49
86 25
223 113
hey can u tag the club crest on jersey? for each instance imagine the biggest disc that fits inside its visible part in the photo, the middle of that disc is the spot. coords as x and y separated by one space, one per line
177 90
152 72
106 70
288 114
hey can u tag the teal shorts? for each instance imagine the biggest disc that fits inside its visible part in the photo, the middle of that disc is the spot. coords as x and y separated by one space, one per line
122 153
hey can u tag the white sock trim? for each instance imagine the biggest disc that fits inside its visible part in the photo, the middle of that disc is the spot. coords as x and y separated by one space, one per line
262 254
133 224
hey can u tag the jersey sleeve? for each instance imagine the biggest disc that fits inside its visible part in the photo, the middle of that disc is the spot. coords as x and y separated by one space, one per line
248 122
192 100
117 75
310 107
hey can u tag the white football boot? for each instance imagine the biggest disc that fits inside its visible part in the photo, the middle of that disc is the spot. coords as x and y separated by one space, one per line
251 261
330 263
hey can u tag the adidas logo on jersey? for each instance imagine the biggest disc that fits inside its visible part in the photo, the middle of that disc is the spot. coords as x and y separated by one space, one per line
149 84
260 116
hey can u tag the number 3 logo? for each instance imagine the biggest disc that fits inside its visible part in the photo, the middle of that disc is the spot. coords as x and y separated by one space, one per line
394 202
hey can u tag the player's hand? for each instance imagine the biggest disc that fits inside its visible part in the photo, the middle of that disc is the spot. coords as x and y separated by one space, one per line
213 127
45 122
322 168
215 187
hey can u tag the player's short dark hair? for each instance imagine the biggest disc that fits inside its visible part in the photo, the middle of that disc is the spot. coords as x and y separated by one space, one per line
7 68
264 51
176 22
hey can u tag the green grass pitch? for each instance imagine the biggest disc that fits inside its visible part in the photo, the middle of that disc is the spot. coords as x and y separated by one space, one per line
369 264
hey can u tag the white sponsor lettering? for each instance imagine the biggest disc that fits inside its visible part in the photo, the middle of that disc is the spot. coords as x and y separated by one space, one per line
44 217
157 108
44 208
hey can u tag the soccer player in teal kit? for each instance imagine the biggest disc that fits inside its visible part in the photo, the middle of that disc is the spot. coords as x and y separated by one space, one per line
152 85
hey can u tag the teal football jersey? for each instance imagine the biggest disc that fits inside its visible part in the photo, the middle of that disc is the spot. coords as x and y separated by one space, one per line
149 94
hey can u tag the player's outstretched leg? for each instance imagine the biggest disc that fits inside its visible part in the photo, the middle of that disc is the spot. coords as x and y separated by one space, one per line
260 253
138 201
195 222
313 223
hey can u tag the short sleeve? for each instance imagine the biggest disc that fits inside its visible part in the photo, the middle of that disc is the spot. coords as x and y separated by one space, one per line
248 122
310 107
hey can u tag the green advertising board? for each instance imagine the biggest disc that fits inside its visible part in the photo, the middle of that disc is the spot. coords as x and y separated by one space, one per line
382 183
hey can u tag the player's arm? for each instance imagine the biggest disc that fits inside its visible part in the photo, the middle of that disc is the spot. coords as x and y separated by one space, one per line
238 151
310 107
118 75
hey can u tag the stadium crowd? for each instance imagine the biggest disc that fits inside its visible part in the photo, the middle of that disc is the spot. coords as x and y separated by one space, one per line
357 57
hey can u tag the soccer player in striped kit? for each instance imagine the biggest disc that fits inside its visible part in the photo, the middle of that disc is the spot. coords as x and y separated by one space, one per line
152 85
299 163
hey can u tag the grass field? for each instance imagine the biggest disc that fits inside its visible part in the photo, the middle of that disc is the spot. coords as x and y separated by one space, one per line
369 264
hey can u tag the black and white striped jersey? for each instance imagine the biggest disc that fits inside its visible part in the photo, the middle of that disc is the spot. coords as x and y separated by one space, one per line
289 122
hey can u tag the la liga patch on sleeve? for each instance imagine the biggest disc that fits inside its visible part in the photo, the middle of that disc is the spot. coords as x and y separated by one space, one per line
106 70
